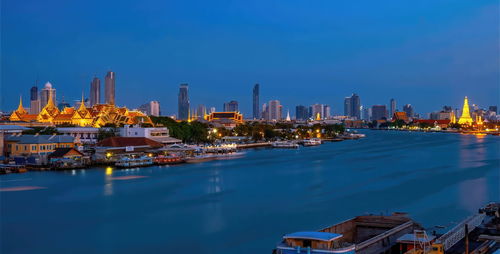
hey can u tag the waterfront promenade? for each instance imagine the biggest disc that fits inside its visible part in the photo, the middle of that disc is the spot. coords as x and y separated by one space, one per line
246 205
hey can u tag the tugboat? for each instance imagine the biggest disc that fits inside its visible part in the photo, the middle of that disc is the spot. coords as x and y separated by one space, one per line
127 162
285 144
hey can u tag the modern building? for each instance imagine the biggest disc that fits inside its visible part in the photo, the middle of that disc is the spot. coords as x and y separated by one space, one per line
326 112
317 111
493 109
201 111
95 91
151 108
46 93
82 135
379 112
255 100
367 113
301 112
392 107
158 134
109 88
35 105
352 106
408 109
231 106
183 102
274 110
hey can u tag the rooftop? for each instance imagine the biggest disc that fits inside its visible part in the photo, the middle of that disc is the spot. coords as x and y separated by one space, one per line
313 235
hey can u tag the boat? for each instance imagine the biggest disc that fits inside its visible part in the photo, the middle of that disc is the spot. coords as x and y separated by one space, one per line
312 142
201 158
361 234
167 160
285 144
128 162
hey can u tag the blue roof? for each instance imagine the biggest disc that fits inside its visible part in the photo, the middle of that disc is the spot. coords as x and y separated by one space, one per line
313 235
40 139
411 238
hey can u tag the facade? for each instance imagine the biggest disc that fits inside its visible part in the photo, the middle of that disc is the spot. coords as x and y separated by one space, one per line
183 102
46 93
274 110
347 106
301 112
28 145
226 119
110 148
201 111
392 107
151 108
408 109
367 113
34 100
317 111
158 134
352 106
95 91
231 106
109 88
379 112
255 100
82 135
326 112
400 116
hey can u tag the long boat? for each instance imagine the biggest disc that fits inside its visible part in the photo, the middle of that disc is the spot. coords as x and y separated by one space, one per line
312 142
127 162
285 144
201 158
368 234
168 160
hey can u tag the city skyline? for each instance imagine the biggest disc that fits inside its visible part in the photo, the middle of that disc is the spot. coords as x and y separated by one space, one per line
320 53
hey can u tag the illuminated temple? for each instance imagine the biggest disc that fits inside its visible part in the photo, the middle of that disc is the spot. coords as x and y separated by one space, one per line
465 118
96 116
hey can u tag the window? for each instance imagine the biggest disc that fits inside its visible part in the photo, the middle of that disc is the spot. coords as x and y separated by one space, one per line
17 148
33 148
42 147
25 148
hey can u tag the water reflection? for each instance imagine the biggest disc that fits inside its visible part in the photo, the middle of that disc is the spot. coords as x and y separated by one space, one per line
214 218
108 182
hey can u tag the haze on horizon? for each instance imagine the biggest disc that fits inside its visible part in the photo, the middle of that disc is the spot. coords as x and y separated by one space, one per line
426 53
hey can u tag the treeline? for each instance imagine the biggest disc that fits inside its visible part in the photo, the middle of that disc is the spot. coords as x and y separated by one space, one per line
192 132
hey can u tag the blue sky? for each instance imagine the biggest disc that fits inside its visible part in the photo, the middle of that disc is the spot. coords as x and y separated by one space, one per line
428 53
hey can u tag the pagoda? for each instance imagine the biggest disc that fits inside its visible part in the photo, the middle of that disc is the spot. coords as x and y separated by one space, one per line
465 118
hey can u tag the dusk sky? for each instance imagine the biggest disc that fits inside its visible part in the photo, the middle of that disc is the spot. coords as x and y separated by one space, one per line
427 53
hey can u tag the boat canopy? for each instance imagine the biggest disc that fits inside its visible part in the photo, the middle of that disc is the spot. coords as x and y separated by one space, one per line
313 235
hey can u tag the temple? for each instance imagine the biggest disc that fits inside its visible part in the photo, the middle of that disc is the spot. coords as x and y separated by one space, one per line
97 116
465 118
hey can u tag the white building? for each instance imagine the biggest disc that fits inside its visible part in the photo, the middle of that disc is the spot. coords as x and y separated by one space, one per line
159 134
83 135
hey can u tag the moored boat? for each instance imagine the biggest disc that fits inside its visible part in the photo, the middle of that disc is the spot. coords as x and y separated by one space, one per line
312 142
201 158
167 160
127 162
229 156
285 144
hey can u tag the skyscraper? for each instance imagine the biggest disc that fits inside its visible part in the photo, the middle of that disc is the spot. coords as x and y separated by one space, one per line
231 106
201 111
379 112
109 88
34 101
352 106
347 106
301 112
255 97
326 112
408 109
392 107
317 111
151 108
95 91
274 110
46 92
183 102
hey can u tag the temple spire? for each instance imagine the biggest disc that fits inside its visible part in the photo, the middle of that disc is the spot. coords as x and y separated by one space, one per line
50 102
465 117
82 104
20 108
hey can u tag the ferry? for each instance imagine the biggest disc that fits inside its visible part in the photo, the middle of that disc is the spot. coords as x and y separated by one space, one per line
201 158
127 162
312 142
361 234
285 144
167 160
229 156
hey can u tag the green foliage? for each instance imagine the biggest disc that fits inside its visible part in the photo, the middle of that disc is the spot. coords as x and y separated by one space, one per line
41 130
193 132
106 132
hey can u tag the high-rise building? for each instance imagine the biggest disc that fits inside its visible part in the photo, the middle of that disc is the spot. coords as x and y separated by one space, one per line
379 112
265 113
201 111
151 108
367 113
408 109
274 111
212 109
255 98
109 88
95 91
46 92
34 101
326 112
493 109
301 112
183 102
317 111
392 107
352 106
231 106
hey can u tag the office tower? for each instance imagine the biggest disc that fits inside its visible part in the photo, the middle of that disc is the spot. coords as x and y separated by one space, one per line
317 111
326 112
95 91
355 106
201 111
392 107
46 92
109 88
212 109
367 112
301 112
274 110
379 112
34 101
231 106
265 114
151 108
255 98
408 109
347 106
493 109
183 103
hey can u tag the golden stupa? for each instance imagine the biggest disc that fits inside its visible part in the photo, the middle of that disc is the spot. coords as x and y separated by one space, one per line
465 118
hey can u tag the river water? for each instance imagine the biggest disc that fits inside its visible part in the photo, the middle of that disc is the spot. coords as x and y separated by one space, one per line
246 205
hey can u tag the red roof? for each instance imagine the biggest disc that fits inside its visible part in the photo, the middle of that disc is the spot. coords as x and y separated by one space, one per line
430 121
129 141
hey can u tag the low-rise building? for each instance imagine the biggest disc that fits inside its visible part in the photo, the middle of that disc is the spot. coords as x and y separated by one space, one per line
226 119
84 135
40 145
111 148
158 134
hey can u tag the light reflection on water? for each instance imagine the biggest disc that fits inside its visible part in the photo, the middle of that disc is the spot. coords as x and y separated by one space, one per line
246 205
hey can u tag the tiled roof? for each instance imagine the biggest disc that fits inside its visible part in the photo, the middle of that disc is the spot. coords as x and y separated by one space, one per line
128 141
60 152
40 139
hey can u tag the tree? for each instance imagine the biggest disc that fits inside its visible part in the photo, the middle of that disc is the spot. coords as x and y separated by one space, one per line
105 133
48 130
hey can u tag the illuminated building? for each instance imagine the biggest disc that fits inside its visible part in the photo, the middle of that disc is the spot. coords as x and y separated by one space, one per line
97 116
409 110
47 92
465 118
227 119
400 116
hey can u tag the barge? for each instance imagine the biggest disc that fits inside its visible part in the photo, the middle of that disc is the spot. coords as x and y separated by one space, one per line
368 234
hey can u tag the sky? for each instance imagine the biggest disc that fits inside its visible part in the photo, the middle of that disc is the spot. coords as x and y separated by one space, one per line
427 53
